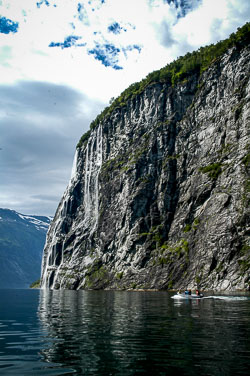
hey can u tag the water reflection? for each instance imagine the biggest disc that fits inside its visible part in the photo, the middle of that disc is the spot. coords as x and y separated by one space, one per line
21 336
96 332
130 333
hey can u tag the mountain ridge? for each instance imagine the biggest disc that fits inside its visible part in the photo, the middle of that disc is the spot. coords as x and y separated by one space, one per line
22 238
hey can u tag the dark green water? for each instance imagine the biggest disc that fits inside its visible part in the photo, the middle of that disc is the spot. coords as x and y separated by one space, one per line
122 333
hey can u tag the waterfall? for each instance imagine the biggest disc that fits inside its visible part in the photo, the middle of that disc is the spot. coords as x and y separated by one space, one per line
92 168
74 167
93 163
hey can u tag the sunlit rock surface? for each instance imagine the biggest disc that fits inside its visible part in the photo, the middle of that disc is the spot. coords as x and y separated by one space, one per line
159 193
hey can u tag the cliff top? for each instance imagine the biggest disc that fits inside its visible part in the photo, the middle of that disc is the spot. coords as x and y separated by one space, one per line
175 72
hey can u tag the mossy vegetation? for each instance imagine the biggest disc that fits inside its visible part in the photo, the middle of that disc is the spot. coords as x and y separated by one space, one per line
126 161
137 155
246 185
114 163
244 261
192 226
170 284
144 179
176 72
196 224
244 265
246 192
213 170
246 160
155 236
226 149
167 253
96 276
119 275
83 139
245 250
187 228
197 279
36 284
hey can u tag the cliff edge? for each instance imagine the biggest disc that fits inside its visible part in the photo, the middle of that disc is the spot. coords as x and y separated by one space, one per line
159 193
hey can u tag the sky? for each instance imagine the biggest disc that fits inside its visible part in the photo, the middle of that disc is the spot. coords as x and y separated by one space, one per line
61 62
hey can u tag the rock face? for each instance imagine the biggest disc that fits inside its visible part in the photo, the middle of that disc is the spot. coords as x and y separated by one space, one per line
22 238
159 192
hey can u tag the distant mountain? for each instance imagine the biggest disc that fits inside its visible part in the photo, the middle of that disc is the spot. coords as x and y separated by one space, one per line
22 239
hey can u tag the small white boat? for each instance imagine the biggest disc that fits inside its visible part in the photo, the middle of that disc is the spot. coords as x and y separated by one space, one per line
183 295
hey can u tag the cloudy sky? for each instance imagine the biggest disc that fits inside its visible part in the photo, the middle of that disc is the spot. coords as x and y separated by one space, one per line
61 61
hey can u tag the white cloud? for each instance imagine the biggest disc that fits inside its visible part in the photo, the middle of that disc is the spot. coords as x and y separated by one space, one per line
155 26
210 22
41 124
151 34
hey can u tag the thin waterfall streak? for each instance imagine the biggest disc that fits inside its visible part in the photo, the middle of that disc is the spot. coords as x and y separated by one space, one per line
90 176
44 269
74 167
86 177
95 195
99 162
44 275
92 170
58 268
93 163
55 277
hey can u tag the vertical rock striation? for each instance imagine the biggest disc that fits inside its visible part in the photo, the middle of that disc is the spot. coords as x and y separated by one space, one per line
159 194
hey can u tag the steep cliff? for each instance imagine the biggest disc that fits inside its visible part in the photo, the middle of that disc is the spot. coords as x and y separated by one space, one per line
159 192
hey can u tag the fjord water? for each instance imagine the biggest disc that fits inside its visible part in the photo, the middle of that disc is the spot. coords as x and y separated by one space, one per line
46 332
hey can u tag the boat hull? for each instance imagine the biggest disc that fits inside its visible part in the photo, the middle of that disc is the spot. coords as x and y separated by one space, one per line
187 296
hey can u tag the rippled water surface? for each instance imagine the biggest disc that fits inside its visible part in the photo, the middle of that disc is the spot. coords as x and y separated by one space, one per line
122 333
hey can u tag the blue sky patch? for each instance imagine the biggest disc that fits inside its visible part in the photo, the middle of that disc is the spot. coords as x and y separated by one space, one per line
115 28
131 48
45 2
134 47
79 7
95 4
82 14
7 26
107 54
183 6
69 41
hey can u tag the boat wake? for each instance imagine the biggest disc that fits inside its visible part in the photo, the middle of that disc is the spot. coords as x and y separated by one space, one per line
227 298
217 297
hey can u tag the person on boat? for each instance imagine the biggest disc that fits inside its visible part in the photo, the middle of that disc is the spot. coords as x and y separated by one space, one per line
187 292
197 292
